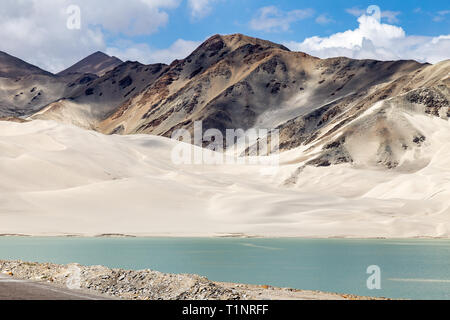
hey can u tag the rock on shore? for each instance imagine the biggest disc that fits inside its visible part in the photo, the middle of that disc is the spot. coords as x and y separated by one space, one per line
153 285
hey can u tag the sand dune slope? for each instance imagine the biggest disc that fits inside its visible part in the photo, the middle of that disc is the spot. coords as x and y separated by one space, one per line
57 179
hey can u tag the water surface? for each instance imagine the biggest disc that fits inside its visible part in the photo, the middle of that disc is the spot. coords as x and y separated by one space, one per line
417 269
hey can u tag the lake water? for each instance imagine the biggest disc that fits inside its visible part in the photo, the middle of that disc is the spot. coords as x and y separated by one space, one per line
415 269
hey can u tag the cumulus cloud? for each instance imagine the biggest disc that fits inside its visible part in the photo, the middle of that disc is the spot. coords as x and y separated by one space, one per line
200 8
376 40
35 30
144 54
272 19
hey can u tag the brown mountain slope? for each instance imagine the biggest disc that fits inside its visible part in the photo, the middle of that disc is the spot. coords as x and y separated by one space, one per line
25 88
20 97
241 82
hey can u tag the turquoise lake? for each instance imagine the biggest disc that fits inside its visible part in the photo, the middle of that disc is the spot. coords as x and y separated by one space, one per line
410 269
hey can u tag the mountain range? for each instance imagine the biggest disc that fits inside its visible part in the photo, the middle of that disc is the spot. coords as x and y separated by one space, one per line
361 141
235 81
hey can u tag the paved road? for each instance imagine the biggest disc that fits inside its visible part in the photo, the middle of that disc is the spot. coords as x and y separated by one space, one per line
12 289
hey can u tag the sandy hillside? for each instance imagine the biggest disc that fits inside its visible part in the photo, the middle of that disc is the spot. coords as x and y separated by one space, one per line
58 179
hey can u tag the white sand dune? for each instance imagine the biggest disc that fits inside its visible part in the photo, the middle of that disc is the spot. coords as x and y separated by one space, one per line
57 179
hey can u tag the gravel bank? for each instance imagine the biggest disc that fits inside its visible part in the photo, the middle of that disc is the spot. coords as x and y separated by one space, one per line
153 285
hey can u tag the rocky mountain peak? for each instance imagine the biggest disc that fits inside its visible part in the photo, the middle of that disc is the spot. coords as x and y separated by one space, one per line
97 63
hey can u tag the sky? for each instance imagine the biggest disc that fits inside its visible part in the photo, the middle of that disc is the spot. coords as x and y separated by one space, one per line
54 34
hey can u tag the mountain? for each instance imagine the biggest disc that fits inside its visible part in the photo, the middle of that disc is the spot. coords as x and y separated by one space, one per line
78 95
328 108
241 82
90 99
24 88
192 88
97 63
12 67
325 107
383 128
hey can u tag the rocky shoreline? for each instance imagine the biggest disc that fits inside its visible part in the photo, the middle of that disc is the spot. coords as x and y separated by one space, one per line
154 285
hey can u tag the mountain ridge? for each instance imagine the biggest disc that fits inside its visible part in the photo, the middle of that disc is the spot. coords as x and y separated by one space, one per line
239 82
255 60
12 67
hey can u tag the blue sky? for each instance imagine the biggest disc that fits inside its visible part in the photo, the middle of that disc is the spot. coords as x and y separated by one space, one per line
163 30
233 16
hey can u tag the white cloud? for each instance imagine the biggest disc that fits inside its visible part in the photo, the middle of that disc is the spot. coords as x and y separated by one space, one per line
376 40
390 16
441 15
272 19
35 30
324 19
143 53
180 49
131 17
200 8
